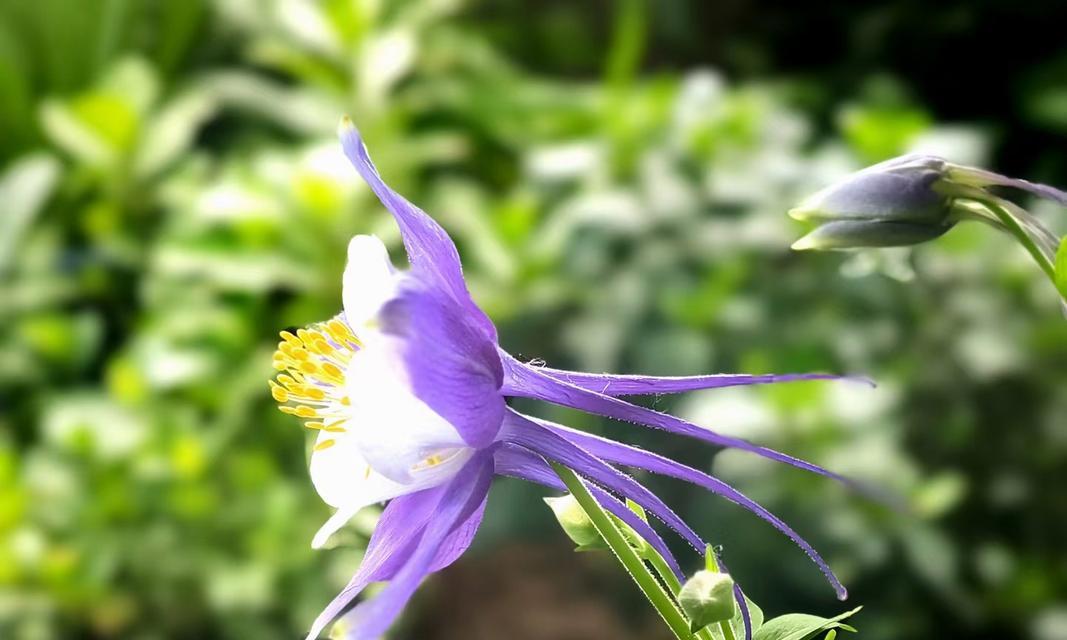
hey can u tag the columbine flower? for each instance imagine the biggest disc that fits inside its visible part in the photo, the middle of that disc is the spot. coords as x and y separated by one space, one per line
407 390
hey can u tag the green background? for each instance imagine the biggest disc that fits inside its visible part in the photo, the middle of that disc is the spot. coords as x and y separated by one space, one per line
616 176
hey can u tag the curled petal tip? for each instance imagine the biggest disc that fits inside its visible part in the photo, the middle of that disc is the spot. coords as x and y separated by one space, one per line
806 243
802 212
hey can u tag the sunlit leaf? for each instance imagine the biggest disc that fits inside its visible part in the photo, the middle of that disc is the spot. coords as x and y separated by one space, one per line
801 626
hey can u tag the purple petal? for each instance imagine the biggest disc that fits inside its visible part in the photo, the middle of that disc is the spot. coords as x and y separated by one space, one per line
529 382
518 462
454 367
394 539
430 251
636 385
618 453
522 431
457 542
460 499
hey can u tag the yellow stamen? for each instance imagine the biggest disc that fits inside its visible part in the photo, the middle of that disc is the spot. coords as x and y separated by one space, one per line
332 371
305 411
280 394
325 444
314 393
311 362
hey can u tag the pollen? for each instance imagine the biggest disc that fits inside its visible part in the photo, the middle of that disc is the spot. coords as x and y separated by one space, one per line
325 444
310 382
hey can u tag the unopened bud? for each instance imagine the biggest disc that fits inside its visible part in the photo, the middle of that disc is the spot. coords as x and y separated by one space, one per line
581 530
707 598
575 522
894 203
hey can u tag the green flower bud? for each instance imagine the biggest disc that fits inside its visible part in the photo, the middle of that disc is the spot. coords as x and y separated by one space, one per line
579 528
894 203
575 522
707 598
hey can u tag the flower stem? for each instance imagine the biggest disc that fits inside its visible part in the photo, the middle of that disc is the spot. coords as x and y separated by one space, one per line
1014 228
673 585
633 564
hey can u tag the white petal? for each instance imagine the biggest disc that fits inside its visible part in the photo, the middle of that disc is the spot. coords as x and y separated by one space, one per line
369 280
394 430
336 521
345 480
342 476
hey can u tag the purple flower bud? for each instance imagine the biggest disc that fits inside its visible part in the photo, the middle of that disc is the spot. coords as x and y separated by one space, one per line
894 203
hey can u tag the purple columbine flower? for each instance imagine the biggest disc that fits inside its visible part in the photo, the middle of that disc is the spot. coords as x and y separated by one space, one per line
407 388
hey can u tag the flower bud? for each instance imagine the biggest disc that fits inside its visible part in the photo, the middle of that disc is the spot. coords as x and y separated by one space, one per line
894 203
707 598
575 522
580 529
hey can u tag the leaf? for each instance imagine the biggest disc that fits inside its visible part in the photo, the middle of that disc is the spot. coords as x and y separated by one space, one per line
1061 268
24 189
172 130
801 626
755 614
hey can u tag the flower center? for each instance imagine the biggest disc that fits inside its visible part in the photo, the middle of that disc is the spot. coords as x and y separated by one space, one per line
310 383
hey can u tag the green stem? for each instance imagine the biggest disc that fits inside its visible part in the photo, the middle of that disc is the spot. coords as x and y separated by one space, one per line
1014 228
626 554
673 585
664 571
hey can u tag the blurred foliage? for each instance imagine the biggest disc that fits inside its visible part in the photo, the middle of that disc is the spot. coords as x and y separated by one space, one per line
172 195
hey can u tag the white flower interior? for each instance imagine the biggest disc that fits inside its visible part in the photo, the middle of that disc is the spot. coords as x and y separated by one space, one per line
376 440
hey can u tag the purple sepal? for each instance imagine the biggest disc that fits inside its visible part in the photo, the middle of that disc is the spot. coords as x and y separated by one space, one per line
461 498
638 385
742 603
394 539
522 431
454 367
430 251
628 456
515 461
526 381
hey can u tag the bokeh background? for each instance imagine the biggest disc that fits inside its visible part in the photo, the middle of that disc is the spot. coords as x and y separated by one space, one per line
616 175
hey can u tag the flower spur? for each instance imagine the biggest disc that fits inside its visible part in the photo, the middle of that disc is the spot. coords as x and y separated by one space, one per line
407 389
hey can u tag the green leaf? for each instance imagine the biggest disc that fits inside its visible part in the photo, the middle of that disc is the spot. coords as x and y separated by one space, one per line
24 189
755 614
171 131
801 626
1061 268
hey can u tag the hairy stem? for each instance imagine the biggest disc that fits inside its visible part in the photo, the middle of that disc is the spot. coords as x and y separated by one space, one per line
633 564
